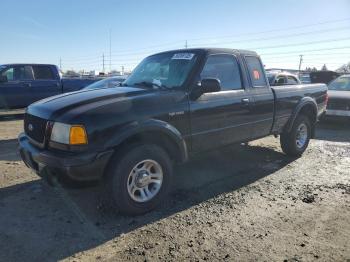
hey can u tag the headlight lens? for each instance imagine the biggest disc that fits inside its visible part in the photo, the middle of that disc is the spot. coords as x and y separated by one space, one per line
68 134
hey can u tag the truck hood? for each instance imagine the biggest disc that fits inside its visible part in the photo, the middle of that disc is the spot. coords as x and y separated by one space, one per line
335 94
51 108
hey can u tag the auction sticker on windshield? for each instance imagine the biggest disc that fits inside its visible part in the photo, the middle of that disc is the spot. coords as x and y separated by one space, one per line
185 56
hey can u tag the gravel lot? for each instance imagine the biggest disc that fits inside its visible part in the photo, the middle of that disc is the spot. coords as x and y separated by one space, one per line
245 202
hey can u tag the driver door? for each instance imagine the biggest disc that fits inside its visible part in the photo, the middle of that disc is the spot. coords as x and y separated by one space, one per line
223 117
16 92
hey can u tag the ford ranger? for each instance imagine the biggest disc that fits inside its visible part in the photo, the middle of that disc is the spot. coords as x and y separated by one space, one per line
174 104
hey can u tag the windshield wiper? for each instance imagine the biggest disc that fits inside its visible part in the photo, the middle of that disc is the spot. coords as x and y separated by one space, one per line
150 84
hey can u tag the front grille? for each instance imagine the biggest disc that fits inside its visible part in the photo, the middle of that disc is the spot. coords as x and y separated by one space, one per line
35 127
338 104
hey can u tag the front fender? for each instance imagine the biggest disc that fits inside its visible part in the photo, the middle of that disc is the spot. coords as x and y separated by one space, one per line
149 125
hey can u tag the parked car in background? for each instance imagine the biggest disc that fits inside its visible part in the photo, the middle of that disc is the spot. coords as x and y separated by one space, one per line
323 76
339 98
23 84
282 78
174 105
305 78
107 83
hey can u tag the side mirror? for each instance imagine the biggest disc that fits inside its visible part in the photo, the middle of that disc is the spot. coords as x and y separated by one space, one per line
210 85
3 79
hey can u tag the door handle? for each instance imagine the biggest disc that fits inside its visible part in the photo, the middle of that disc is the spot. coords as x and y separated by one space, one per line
27 84
245 101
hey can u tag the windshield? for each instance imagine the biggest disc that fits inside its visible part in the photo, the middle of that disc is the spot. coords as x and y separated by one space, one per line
340 84
166 70
105 83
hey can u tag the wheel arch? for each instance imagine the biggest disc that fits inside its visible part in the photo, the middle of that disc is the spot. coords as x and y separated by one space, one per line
308 107
155 132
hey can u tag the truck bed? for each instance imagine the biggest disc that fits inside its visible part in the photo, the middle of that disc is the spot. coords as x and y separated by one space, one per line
288 96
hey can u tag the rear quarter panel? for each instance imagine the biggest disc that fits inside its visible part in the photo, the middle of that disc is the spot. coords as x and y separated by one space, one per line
288 97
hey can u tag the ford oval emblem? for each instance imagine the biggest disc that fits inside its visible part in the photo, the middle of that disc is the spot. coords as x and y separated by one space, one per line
30 127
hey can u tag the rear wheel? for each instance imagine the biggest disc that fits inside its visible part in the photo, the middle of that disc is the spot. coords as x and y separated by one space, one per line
295 142
138 178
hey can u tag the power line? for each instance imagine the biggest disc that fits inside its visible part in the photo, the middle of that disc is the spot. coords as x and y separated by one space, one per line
264 47
320 54
282 36
239 35
275 30
299 51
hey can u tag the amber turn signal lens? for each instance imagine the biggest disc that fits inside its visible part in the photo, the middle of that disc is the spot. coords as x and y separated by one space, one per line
77 136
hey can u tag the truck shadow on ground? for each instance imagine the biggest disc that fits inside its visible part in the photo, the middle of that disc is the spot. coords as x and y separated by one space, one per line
42 223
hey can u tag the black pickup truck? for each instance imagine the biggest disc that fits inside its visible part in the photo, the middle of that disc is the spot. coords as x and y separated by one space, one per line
173 105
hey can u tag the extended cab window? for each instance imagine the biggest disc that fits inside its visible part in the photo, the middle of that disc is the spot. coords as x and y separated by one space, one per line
17 73
256 71
43 73
225 68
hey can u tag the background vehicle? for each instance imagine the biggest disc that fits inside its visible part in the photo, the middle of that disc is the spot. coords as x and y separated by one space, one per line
305 78
282 78
339 97
323 76
107 83
23 84
174 104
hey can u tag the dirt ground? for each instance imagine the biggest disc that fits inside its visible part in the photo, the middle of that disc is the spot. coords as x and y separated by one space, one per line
241 203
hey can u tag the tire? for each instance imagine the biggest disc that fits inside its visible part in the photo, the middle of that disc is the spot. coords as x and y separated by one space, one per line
128 177
295 142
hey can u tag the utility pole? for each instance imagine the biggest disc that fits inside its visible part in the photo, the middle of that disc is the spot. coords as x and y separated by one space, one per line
186 44
103 62
110 50
60 63
300 61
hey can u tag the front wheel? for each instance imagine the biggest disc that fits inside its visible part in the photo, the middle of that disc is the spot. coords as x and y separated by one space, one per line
138 178
295 142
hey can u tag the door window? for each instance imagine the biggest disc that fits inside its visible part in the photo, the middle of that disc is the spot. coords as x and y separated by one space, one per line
291 80
9 73
256 71
225 68
280 80
18 73
43 73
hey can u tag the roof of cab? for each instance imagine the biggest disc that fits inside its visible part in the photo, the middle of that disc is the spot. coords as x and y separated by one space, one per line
213 50
23 64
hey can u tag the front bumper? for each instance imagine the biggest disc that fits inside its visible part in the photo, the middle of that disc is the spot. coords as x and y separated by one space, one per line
85 166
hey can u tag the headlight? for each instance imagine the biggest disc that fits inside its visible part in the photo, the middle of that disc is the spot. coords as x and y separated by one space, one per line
68 134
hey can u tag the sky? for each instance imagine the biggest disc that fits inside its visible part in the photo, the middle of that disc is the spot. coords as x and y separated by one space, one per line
77 34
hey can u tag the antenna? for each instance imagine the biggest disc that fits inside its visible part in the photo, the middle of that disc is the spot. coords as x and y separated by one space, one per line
103 62
110 50
186 44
